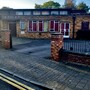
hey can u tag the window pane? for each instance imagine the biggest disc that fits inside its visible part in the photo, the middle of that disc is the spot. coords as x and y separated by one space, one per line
45 13
62 28
56 26
63 13
51 25
34 26
19 13
30 25
45 25
54 13
27 13
67 25
22 25
36 12
40 26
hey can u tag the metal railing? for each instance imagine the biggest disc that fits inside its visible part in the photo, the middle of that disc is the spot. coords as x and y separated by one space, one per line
78 46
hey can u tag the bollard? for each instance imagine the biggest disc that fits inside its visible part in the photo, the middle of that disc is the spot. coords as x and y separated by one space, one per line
56 45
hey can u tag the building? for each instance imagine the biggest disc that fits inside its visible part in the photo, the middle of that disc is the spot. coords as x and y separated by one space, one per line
40 23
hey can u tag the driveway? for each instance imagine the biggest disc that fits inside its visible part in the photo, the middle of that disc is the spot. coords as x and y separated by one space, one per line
37 47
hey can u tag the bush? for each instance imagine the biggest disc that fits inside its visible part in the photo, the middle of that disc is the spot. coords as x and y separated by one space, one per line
83 34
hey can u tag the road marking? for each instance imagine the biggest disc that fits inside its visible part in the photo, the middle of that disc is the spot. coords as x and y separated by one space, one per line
14 82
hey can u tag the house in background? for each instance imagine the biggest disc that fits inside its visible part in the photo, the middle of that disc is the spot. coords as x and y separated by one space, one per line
39 23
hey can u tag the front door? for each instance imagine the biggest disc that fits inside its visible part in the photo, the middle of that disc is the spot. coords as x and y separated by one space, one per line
65 29
12 27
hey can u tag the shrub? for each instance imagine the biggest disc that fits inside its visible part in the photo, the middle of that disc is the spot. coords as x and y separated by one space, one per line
83 34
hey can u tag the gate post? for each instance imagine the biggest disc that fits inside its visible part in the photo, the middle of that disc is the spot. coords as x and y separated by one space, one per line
6 39
56 45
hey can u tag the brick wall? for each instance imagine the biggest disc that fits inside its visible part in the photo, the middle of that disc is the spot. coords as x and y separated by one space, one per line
56 45
6 39
47 34
75 58
78 21
4 24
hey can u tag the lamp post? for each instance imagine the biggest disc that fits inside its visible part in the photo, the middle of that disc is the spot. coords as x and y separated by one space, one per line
74 18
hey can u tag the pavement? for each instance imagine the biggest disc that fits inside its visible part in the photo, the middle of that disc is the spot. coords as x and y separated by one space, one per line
30 59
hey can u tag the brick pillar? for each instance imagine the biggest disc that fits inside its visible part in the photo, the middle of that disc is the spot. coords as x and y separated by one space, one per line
6 39
56 45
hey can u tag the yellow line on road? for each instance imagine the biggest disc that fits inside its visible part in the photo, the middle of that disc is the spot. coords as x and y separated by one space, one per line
14 82
11 83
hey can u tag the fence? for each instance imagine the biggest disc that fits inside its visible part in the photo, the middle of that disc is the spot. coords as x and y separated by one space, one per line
77 46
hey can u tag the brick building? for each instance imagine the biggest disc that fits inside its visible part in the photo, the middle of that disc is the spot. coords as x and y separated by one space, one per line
39 23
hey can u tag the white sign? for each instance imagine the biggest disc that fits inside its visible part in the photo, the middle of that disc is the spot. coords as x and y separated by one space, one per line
22 32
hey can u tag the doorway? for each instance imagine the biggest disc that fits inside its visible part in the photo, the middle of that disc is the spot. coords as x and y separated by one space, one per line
12 27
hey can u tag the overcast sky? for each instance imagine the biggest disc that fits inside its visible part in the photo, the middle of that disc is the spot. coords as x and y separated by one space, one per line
27 4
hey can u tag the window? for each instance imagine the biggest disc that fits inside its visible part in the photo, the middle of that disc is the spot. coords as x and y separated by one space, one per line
22 25
85 26
34 26
36 12
45 26
40 26
54 25
63 13
45 13
19 13
27 13
65 29
30 26
62 28
54 13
